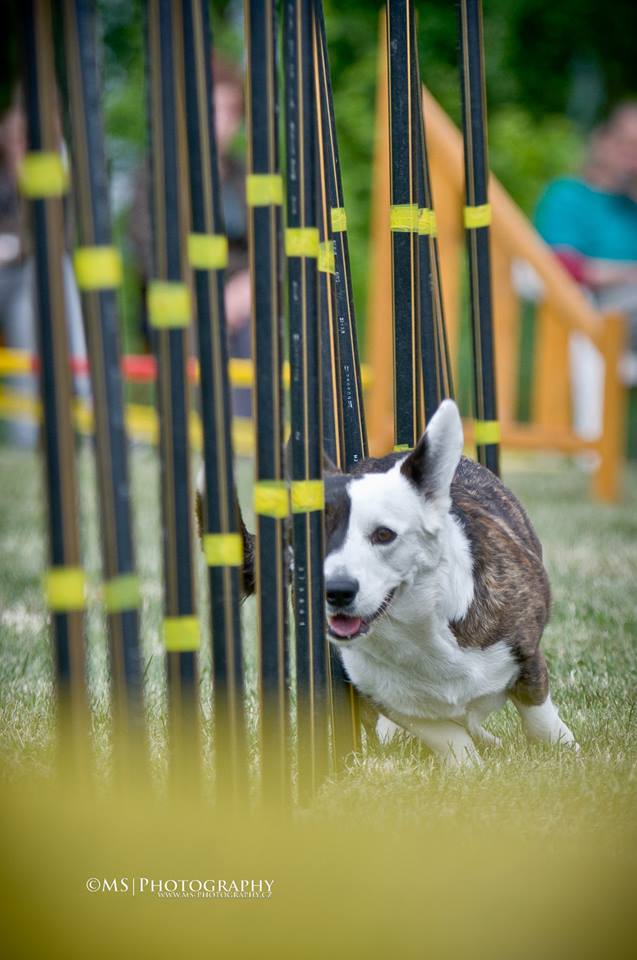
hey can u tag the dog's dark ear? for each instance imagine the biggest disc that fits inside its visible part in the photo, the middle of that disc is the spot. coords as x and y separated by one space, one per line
433 463
248 571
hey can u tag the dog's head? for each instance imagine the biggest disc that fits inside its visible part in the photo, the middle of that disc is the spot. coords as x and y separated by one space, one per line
383 528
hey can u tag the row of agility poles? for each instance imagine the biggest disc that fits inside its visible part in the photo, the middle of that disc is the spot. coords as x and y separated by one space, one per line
422 367
190 253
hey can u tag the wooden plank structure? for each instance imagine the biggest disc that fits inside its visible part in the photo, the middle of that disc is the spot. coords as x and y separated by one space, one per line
264 195
43 180
98 270
221 534
170 314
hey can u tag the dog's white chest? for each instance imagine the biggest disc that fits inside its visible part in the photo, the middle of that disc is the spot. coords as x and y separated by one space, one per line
428 675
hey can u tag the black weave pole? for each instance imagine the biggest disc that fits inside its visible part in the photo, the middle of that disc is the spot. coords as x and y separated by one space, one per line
98 271
403 224
430 358
170 312
222 540
43 181
477 218
341 376
354 436
307 494
264 196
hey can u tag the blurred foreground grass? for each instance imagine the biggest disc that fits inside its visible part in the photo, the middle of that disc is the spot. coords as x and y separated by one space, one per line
534 852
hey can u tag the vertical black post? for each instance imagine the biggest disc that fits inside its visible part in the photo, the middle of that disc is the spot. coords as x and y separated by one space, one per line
307 495
170 312
348 370
477 217
222 540
98 270
342 385
403 225
264 197
43 181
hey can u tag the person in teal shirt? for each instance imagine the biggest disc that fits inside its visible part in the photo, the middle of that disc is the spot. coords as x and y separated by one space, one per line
591 224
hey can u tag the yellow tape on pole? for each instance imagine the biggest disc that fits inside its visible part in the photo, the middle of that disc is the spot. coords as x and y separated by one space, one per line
427 223
475 217
307 495
223 549
264 189
271 498
486 431
98 268
168 304
402 448
64 589
326 257
181 634
339 219
121 593
42 174
207 251
301 242
403 218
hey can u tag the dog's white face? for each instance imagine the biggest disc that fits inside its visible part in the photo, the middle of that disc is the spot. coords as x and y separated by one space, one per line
384 530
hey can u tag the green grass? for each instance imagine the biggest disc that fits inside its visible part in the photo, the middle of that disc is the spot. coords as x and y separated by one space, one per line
591 646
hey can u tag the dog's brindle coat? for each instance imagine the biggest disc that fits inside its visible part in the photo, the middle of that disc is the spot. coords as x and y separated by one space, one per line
511 590
510 599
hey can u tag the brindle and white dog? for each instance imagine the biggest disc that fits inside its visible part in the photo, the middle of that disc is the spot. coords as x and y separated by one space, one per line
436 595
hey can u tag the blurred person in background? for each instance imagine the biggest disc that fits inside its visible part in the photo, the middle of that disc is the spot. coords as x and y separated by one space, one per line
591 223
228 109
17 317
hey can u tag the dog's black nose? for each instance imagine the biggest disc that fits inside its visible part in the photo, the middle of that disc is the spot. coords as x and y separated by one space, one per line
341 592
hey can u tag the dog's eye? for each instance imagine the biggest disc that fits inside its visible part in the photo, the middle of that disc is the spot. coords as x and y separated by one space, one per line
382 535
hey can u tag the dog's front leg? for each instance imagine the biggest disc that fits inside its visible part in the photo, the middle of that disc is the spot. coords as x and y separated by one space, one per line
448 740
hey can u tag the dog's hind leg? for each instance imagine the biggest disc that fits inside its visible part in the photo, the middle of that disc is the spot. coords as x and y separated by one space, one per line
531 697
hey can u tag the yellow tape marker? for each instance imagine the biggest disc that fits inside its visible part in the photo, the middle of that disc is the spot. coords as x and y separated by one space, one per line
121 593
168 304
326 258
427 223
264 189
475 217
207 251
64 589
403 218
181 634
98 268
301 242
307 495
223 549
271 498
43 174
486 431
339 219
402 448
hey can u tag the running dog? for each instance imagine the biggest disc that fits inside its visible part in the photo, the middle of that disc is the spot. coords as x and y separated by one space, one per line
436 595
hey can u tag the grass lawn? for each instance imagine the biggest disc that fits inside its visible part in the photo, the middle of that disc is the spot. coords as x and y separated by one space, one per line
533 853
591 642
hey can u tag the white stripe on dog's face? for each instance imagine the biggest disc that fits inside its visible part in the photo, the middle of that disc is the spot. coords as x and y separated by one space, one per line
387 527
382 501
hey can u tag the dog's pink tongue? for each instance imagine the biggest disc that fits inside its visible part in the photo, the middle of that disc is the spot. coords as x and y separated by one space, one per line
345 626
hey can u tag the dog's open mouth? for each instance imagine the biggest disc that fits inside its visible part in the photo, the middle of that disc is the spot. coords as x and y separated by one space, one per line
343 627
